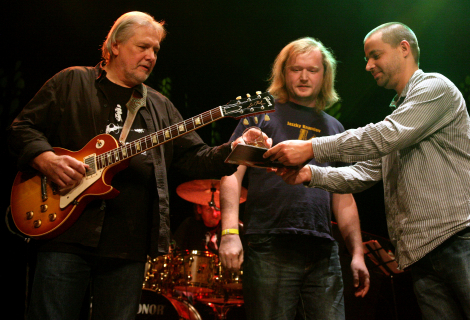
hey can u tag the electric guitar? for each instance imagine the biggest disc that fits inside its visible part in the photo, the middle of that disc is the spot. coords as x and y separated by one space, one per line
41 211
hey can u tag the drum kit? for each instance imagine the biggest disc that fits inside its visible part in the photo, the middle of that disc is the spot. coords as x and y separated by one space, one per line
192 284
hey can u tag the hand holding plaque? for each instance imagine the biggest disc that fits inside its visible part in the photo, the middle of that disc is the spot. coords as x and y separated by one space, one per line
253 136
251 153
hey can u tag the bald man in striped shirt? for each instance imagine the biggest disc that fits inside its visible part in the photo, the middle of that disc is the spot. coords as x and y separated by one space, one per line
421 151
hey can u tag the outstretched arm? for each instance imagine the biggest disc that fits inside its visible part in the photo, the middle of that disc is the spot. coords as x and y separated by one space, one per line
345 211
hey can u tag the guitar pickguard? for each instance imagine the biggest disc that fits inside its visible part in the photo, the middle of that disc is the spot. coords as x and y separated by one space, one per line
69 197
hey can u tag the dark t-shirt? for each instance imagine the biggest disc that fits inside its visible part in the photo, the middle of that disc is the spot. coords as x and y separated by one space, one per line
274 207
131 211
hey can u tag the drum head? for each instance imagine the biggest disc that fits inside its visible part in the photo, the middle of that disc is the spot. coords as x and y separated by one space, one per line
156 306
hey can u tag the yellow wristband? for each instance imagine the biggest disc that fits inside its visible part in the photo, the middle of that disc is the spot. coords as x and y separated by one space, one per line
229 231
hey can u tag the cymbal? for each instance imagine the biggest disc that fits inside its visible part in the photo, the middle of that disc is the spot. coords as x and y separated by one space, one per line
200 191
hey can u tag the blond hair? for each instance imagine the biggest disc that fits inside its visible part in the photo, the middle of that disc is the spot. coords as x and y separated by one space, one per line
327 95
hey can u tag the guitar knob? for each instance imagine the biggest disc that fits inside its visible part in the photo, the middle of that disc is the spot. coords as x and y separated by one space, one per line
29 215
44 207
52 217
37 223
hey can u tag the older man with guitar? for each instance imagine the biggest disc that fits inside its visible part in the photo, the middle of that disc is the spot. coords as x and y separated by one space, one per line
86 127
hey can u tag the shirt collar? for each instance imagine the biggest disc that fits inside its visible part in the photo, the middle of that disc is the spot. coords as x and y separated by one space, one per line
398 99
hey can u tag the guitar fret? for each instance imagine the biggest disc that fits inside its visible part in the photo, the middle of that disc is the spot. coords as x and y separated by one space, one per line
102 161
174 131
145 141
161 136
190 125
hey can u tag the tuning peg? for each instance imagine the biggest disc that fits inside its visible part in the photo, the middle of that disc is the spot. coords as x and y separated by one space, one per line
258 93
266 117
248 96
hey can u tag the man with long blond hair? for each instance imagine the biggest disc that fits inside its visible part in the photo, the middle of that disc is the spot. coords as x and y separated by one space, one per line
291 264
105 250
327 95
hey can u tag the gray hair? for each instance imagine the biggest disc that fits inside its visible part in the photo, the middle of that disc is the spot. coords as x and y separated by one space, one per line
124 28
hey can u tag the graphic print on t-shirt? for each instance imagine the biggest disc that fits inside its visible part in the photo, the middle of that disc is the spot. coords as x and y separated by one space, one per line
114 127
304 130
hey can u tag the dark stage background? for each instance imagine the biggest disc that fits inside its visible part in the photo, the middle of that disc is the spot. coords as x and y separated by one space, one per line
214 52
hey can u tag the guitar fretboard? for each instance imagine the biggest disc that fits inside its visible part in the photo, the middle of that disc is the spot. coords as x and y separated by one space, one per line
155 139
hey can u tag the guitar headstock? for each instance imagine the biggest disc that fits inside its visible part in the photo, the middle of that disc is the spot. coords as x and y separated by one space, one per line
241 108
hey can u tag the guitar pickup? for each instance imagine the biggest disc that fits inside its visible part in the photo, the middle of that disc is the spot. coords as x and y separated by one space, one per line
91 162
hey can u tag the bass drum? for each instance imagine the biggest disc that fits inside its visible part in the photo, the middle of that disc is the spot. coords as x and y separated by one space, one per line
156 306
228 312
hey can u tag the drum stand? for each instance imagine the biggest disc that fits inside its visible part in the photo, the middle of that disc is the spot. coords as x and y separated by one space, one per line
386 263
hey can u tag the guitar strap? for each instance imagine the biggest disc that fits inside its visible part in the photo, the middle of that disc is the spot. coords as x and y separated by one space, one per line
133 105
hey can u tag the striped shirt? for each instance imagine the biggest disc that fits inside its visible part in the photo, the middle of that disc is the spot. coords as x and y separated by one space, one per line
421 152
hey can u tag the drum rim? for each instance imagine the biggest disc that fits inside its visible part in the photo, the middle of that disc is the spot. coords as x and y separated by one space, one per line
173 300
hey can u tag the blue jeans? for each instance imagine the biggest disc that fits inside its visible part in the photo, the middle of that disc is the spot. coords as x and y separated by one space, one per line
61 281
441 279
285 275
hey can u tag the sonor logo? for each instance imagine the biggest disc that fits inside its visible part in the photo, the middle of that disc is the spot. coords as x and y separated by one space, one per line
151 309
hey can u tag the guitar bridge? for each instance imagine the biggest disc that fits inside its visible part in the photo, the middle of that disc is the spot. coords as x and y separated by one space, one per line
44 188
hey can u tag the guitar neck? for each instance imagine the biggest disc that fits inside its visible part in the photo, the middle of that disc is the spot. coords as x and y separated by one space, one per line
262 103
109 158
